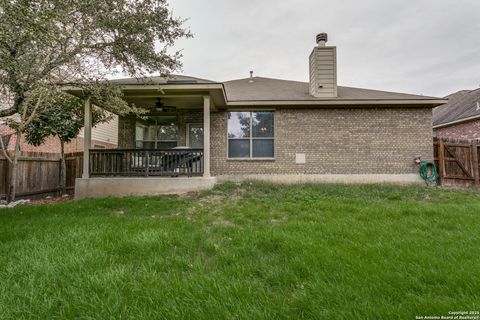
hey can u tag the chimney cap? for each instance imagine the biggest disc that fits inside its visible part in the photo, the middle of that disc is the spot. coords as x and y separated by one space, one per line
322 38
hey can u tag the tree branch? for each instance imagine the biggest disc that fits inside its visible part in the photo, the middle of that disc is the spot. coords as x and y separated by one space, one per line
8 112
34 111
4 150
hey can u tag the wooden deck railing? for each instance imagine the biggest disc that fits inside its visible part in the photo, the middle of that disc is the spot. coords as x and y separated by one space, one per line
143 162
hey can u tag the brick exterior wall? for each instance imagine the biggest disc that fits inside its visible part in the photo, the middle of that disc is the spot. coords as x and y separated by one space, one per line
466 130
335 141
51 144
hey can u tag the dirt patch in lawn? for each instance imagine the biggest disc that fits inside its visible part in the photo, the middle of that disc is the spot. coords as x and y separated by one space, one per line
222 222
50 200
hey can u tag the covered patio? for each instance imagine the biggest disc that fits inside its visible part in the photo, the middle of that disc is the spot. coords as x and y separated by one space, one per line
165 151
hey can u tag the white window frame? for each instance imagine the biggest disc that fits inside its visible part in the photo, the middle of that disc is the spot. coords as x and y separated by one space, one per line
251 138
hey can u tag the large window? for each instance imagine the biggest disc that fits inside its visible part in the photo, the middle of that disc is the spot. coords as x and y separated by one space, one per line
251 134
156 136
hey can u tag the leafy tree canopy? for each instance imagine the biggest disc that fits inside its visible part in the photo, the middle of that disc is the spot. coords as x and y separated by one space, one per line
63 118
47 42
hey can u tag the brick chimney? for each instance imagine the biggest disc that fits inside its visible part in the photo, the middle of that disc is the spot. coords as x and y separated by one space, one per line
323 69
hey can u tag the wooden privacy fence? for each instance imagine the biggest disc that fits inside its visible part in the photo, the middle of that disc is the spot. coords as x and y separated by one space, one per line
74 169
457 161
39 173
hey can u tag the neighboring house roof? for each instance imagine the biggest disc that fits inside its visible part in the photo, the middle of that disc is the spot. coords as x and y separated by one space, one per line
267 89
462 106
457 95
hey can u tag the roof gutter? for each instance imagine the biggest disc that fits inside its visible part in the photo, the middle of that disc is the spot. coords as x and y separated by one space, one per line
198 86
235 103
337 102
160 87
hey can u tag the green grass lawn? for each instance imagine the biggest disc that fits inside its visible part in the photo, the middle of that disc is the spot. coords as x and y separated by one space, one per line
248 251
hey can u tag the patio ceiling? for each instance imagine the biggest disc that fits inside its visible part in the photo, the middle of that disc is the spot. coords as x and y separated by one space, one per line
179 103
182 96
178 95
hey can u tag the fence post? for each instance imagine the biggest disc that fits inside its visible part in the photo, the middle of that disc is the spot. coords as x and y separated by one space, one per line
474 149
78 167
60 172
7 180
441 161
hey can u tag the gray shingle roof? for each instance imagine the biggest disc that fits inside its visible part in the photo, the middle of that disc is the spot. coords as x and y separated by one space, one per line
173 78
462 104
263 89
268 89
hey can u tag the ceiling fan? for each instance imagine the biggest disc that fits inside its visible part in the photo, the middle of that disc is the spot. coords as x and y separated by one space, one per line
159 106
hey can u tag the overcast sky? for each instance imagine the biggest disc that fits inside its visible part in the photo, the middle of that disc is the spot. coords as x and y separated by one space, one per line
429 47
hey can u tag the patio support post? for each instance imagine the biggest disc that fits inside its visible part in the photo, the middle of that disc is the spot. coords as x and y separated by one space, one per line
206 136
87 139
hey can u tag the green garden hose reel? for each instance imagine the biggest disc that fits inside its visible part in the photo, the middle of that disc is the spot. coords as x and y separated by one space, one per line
428 171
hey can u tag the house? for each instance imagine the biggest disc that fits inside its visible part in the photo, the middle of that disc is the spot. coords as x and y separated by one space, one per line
104 135
199 132
460 117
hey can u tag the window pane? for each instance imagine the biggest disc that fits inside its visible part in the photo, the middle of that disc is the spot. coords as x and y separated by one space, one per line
262 148
149 133
239 148
139 132
262 124
167 132
195 136
238 124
